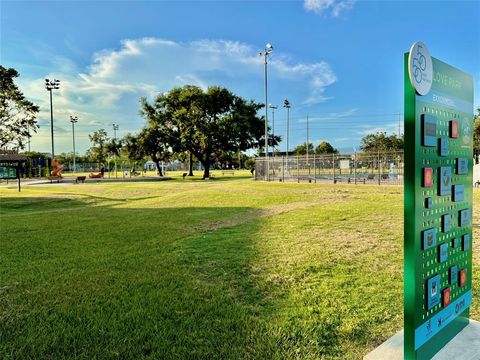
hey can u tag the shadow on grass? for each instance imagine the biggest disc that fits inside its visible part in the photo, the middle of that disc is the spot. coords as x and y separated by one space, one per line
96 279
110 282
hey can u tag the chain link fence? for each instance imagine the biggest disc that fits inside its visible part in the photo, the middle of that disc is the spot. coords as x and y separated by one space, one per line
380 168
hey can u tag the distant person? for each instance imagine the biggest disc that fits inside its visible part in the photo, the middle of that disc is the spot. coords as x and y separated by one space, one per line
252 170
102 170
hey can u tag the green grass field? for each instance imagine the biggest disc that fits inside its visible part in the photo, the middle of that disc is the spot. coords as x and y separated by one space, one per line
202 270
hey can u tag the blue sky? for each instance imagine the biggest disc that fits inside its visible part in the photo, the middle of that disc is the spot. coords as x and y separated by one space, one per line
338 61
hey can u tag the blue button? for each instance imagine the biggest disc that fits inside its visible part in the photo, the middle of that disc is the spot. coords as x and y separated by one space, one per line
433 292
429 238
429 127
443 147
443 253
458 193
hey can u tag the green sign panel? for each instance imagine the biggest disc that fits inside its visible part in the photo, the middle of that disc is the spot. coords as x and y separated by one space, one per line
8 172
438 202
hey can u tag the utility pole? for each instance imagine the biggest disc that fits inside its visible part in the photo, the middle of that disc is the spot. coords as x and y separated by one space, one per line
308 145
273 107
115 128
307 139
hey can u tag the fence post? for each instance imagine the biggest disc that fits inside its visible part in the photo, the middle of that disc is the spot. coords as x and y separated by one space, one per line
333 163
283 168
378 163
314 168
298 171
355 167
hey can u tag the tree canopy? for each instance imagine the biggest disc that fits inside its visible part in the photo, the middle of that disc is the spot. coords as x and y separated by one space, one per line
325 148
476 132
17 114
302 149
99 139
380 142
206 122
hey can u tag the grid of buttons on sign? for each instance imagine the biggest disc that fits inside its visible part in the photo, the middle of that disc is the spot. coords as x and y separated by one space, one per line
445 239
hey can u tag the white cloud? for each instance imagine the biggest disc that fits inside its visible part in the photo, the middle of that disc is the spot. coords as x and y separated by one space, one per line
109 89
334 7
390 128
334 115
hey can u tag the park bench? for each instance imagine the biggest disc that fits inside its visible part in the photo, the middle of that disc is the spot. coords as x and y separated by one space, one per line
95 175
54 178
348 180
80 178
228 172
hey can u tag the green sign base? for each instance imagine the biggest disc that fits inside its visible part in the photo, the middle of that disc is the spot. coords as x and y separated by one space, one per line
465 346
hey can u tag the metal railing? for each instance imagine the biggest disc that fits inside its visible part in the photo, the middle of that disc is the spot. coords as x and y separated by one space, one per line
360 168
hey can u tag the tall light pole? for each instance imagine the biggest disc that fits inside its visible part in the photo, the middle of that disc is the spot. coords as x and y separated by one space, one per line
286 104
52 85
73 120
268 50
115 128
273 107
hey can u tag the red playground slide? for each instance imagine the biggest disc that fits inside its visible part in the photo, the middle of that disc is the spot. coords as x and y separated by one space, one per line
58 169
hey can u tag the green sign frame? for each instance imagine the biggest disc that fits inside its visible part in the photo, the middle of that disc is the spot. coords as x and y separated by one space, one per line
438 203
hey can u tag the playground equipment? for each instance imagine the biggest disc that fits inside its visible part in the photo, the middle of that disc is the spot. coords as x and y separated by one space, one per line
57 171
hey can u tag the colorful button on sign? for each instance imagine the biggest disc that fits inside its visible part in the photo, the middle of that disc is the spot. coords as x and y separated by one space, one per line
443 253
446 298
443 147
446 222
429 127
462 166
428 202
455 243
453 275
453 129
462 278
429 238
466 242
458 193
427 177
464 217
433 292
445 180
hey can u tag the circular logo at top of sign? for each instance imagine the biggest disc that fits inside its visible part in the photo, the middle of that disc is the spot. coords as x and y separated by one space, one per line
420 68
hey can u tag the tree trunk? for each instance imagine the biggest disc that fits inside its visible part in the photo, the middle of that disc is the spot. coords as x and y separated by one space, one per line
206 171
190 163
156 160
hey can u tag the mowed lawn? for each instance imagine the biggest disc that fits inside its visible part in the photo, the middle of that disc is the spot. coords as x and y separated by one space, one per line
202 270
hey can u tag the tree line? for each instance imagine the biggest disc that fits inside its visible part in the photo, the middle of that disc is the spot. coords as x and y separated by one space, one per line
187 123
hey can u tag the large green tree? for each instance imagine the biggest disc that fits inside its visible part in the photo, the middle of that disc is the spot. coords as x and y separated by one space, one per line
154 143
206 122
302 149
17 114
380 142
99 139
325 148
